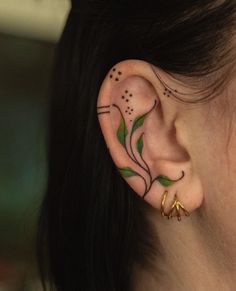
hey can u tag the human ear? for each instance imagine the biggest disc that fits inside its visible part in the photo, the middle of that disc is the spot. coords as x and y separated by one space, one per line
138 121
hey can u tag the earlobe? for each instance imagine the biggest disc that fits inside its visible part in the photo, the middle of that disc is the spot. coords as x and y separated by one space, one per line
129 112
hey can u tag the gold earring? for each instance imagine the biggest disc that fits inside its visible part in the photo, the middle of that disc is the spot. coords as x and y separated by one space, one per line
163 201
176 205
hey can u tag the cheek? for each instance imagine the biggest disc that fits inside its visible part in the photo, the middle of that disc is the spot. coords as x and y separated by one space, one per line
211 135
212 147
232 152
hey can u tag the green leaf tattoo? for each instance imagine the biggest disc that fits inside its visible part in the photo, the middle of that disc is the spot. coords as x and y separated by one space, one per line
165 181
122 132
127 172
137 123
125 141
139 144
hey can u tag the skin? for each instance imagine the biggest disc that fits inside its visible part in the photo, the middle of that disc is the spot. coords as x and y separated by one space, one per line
198 253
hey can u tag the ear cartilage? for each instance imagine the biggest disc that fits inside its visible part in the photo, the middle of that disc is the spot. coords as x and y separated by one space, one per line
118 74
175 207
103 109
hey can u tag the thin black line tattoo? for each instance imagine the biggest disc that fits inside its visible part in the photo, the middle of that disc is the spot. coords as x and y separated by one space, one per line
105 106
104 112
169 91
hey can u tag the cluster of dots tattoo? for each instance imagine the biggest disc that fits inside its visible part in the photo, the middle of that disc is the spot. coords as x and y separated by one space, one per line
126 98
167 92
115 74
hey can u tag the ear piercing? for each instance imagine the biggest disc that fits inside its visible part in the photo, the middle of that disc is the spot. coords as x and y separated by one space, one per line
175 207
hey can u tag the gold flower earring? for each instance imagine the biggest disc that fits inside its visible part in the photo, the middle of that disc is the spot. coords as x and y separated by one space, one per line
175 207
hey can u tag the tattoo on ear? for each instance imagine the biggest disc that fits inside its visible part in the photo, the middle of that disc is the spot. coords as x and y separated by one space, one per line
103 109
115 74
127 98
126 140
168 92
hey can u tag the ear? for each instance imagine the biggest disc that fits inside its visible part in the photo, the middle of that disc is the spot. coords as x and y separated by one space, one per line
138 121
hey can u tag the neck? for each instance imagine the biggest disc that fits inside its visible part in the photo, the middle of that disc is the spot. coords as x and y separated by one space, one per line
193 258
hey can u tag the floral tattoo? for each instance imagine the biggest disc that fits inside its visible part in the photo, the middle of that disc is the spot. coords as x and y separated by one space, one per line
126 139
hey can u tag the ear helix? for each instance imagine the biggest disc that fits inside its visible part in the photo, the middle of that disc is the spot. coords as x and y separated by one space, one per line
133 144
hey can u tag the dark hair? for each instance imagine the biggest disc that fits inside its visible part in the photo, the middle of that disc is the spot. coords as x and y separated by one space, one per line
93 227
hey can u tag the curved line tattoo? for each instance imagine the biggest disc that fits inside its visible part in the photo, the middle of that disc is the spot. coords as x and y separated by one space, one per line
141 156
132 132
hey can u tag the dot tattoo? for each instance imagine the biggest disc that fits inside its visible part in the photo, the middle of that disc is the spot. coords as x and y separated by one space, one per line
168 91
118 74
129 110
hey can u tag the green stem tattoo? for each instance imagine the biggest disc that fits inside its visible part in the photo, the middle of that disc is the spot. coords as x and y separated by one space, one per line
127 172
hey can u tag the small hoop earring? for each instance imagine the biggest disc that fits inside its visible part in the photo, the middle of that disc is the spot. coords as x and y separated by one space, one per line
176 206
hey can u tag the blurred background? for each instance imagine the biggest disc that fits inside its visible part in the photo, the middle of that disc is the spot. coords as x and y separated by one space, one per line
29 31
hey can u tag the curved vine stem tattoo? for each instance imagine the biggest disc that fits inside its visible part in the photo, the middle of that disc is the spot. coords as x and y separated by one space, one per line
122 135
139 144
